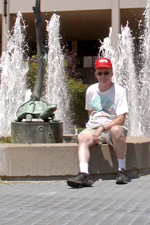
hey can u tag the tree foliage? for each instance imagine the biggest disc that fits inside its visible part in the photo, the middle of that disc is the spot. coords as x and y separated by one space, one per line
77 90
32 74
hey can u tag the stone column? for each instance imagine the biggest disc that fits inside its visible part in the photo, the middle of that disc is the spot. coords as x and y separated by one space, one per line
115 21
5 23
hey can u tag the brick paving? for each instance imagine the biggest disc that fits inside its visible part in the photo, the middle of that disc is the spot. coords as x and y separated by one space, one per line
55 203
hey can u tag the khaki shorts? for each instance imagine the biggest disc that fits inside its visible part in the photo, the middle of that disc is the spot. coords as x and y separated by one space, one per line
105 137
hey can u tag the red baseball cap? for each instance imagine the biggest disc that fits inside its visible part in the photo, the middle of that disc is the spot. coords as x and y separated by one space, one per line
103 63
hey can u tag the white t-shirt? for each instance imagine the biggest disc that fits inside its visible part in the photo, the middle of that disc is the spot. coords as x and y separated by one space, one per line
105 106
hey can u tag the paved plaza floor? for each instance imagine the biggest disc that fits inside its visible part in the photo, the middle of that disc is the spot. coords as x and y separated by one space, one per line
53 202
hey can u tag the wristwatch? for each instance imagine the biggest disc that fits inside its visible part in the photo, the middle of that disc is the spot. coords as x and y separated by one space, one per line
103 127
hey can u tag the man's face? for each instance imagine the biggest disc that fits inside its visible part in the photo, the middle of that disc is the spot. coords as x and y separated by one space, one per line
104 75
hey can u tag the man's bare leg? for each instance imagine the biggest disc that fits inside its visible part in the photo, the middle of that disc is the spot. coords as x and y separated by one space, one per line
83 179
85 141
120 148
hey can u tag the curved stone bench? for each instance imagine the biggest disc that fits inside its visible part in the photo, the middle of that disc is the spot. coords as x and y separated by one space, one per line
105 163
58 161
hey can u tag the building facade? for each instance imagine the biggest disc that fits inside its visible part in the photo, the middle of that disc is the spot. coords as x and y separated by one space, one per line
82 23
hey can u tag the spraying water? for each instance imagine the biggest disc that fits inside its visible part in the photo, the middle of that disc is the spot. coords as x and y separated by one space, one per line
127 78
106 50
56 92
136 84
13 71
144 74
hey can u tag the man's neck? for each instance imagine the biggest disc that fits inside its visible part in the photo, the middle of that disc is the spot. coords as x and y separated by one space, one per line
105 87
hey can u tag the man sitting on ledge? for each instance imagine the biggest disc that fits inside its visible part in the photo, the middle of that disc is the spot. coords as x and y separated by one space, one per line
107 107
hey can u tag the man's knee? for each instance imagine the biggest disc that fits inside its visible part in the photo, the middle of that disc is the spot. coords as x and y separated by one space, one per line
116 132
85 140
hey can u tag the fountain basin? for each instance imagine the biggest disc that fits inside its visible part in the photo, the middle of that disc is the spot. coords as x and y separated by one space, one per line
58 161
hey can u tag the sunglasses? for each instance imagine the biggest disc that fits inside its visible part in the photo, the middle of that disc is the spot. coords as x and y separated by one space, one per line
105 73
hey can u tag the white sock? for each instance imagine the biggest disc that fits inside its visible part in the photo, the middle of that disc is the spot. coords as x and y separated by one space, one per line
121 164
84 167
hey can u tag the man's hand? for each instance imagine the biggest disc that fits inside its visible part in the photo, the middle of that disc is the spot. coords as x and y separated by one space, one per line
96 134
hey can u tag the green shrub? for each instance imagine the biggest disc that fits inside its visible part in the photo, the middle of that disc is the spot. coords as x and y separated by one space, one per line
32 74
7 140
77 90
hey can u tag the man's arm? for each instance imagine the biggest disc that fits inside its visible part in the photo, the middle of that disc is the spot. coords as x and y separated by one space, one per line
89 113
118 121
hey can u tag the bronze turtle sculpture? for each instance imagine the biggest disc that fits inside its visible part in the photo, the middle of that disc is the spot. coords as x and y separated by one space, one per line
36 109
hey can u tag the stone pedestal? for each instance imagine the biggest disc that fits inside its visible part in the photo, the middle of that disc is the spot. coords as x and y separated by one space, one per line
36 132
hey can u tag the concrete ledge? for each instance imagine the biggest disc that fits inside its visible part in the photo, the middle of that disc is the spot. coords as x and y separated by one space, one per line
47 161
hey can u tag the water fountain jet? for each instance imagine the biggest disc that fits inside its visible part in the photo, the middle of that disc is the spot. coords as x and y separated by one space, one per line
29 131
125 74
13 71
56 91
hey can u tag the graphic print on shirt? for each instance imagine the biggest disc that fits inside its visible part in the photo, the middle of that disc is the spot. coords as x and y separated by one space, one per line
102 106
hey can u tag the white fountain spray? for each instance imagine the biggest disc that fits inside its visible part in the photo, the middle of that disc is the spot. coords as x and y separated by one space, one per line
144 74
13 70
124 73
106 50
127 78
56 92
